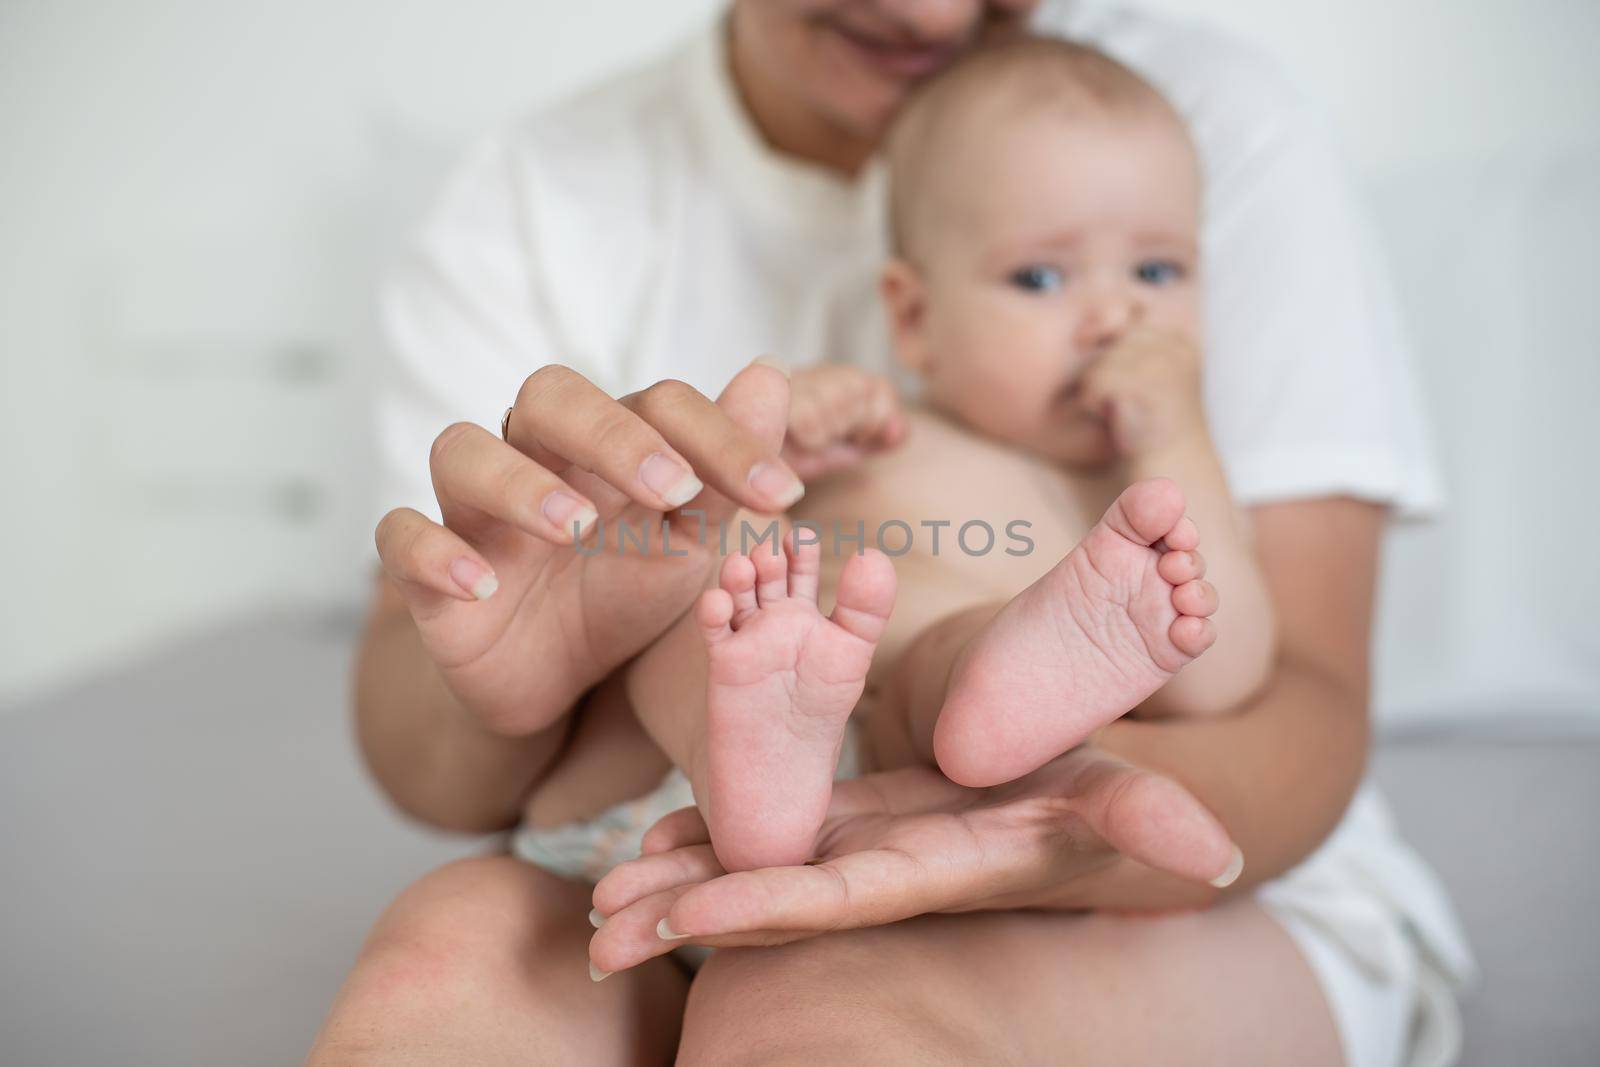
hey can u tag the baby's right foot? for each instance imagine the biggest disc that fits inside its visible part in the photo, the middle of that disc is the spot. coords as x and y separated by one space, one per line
1081 646
782 683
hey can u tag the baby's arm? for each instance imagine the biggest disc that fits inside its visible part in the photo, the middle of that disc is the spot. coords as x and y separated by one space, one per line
839 415
1148 389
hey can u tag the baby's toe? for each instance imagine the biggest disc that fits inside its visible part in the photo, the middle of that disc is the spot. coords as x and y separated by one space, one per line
739 579
1149 510
866 595
1177 567
805 565
1184 536
1198 597
1192 634
772 573
713 613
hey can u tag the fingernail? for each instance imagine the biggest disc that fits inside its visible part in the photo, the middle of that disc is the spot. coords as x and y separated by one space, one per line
567 512
474 578
669 479
596 974
776 484
664 932
774 362
1231 875
596 920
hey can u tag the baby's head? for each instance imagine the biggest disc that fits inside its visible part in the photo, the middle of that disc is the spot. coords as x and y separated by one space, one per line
1043 199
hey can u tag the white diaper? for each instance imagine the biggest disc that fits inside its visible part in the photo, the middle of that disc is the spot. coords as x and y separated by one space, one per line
588 849
1365 911
1380 933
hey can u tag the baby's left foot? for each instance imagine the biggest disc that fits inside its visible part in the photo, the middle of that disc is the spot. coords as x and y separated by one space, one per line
1105 628
782 683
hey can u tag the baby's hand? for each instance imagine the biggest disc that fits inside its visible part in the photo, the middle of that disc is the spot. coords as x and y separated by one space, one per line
838 415
1147 389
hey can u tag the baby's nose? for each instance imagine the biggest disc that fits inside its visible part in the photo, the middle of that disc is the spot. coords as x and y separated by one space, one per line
1106 320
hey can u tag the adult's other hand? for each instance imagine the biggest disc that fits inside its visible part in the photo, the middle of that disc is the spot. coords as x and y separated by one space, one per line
518 620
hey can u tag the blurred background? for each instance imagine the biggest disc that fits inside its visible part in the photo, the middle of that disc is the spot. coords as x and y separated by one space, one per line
197 198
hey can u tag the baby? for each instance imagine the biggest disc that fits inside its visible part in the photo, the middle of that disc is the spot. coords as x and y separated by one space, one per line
1044 289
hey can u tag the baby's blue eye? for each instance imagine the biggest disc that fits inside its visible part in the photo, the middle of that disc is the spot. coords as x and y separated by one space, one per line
1037 279
1159 272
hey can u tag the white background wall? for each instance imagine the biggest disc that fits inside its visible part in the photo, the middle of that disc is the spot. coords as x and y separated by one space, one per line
194 196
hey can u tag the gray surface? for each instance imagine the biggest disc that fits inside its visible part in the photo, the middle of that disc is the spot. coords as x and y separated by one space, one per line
1513 829
191 857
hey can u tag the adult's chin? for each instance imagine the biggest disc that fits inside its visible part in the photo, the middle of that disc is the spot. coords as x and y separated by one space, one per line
899 62
866 81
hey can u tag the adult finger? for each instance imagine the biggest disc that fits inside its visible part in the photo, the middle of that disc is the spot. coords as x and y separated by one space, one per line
636 879
629 937
757 398
737 465
561 418
428 562
868 888
734 443
637 934
472 468
676 829
1152 819
907 791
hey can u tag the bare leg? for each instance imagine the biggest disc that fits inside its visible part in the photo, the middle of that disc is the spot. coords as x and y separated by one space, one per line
782 683
485 962
776 681
666 683
1221 986
899 732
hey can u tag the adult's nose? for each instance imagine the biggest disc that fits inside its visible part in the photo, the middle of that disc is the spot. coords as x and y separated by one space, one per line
933 21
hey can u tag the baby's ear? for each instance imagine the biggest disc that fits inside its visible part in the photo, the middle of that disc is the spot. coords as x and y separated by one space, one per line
905 304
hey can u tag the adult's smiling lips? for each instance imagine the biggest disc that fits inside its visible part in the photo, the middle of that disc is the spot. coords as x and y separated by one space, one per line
902 60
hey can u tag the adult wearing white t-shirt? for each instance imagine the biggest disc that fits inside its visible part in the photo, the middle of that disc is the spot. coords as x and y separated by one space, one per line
725 202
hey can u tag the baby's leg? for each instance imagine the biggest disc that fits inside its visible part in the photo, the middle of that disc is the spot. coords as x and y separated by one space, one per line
776 682
783 680
666 686
993 692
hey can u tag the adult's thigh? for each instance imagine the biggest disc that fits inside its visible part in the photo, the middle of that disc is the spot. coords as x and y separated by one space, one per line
485 961
1224 986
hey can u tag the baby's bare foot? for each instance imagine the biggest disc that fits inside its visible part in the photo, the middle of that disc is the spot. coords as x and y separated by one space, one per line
1087 642
783 681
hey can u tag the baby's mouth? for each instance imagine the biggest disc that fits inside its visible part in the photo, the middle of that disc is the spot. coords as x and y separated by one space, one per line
1069 403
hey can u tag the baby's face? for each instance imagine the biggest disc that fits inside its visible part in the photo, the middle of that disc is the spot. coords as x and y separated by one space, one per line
1045 243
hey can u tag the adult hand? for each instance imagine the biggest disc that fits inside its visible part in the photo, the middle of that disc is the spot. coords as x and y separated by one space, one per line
837 416
902 843
518 621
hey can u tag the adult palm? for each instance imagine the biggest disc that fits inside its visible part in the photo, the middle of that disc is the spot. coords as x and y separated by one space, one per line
902 843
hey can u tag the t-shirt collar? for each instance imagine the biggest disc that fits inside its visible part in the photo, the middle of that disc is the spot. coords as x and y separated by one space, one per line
772 186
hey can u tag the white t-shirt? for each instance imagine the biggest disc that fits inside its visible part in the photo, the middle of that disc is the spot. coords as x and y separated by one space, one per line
643 230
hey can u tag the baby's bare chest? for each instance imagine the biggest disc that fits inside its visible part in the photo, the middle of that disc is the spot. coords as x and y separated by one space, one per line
981 514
